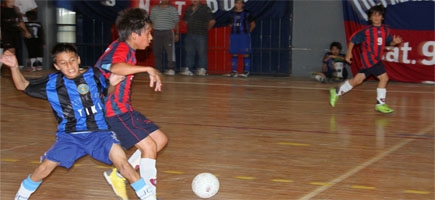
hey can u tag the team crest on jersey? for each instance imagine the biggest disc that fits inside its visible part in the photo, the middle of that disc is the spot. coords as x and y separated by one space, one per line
83 89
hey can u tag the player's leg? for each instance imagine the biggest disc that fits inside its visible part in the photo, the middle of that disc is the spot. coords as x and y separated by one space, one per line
134 129
119 159
345 87
246 50
34 180
246 65
381 91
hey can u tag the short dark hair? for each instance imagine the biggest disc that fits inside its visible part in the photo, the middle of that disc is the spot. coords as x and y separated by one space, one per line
335 44
375 9
62 47
131 20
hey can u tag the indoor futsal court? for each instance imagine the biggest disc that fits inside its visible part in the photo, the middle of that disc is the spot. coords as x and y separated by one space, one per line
263 137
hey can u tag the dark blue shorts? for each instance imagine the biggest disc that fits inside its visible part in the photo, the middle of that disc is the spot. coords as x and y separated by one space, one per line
131 128
240 44
376 70
71 146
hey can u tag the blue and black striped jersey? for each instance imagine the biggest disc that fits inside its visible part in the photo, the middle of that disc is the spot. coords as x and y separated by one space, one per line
77 103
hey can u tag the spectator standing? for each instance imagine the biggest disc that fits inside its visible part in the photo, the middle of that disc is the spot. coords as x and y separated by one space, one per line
35 44
199 19
241 24
12 29
165 20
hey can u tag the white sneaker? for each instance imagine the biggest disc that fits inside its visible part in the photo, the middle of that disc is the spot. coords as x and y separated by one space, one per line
186 72
169 72
201 72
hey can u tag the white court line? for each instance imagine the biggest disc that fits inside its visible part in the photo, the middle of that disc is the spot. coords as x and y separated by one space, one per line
363 165
18 147
280 86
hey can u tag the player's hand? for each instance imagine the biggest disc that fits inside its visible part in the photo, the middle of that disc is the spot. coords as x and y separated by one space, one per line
8 58
396 40
155 79
348 58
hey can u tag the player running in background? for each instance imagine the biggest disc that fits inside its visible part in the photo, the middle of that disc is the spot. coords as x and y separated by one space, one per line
373 40
131 127
76 97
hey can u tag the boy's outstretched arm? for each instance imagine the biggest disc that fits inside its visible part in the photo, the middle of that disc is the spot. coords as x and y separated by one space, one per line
127 69
9 59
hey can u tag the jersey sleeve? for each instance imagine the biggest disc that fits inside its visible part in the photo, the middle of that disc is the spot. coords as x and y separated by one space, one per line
358 37
389 36
38 87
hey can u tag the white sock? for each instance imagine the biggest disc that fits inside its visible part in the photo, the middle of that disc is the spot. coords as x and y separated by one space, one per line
148 168
27 188
345 87
381 95
134 159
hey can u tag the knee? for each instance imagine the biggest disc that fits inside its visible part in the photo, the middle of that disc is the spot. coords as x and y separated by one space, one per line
147 145
384 78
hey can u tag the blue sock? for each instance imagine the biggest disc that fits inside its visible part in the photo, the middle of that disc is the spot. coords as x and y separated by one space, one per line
27 188
31 185
234 62
247 63
138 184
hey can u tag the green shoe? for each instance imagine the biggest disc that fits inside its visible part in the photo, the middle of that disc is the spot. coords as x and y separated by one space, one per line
333 97
383 108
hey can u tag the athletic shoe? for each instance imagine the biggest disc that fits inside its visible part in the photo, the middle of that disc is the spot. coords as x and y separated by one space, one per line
169 72
383 108
117 182
186 72
333 96
201 72
244 74
232 74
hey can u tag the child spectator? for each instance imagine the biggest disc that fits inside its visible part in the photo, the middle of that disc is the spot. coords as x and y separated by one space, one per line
333 65
241 24
36 43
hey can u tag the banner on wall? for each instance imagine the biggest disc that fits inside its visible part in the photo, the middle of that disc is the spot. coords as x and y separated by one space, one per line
414 59
107 10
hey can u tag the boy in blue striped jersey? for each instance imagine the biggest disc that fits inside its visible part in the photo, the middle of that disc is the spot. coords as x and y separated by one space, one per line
242 24
76 98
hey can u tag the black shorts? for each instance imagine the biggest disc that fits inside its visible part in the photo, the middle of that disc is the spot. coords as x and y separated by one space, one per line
131 128
376 70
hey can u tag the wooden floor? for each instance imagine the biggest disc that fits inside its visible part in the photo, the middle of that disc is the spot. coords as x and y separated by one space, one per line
264 137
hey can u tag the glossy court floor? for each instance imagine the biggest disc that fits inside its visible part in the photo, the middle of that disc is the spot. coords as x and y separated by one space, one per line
263 137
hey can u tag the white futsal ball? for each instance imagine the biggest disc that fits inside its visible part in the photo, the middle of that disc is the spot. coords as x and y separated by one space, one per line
205 185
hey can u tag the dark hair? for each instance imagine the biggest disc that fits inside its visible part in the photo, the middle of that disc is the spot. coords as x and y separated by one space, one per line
335 44
32 15
375 9
62 47
131 20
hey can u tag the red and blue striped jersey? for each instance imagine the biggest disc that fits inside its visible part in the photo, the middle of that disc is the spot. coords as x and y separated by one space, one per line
77 103
120 101
373 40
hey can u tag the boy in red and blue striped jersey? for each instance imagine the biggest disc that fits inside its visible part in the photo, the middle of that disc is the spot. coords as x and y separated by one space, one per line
132 128
372 40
